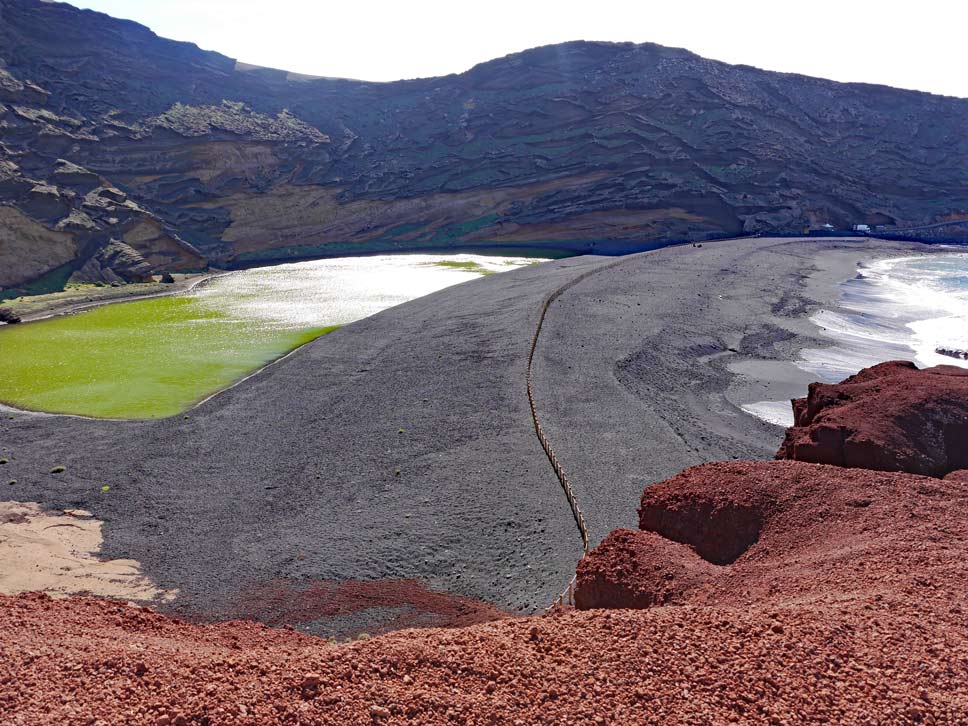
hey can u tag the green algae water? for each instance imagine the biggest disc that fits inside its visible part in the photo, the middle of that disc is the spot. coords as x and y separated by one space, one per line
140 359
157 357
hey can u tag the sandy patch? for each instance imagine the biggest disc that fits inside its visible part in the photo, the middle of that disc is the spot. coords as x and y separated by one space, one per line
56 552
778 413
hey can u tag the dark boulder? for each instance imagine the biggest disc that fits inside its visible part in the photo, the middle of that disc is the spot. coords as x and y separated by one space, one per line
8 316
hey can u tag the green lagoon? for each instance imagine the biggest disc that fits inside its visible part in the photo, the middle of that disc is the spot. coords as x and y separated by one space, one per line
157 357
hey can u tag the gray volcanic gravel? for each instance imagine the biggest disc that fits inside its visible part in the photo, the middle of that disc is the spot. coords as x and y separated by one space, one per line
292 476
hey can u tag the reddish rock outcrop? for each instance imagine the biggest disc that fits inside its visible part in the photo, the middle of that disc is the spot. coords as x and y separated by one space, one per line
777 532
891 417
634 569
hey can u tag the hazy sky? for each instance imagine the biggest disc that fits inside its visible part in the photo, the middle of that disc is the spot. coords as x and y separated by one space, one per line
919 45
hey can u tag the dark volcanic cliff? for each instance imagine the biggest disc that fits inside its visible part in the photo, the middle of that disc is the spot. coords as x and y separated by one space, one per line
188 158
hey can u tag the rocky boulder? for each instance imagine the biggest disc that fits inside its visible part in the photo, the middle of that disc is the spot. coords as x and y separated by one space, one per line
66 172
116 262
890 417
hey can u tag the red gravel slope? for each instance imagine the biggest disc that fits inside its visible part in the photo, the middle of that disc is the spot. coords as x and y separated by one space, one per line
850 607
854 660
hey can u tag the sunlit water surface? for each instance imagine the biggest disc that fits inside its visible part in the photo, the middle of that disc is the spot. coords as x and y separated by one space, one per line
157 357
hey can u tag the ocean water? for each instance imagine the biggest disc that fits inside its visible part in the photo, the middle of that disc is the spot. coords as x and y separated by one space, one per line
897 308
901 308
157 357
778 413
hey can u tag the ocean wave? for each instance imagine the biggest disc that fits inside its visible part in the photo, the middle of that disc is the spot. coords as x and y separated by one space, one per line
901 307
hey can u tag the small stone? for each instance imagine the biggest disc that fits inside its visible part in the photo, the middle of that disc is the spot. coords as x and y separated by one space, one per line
310 681
379 712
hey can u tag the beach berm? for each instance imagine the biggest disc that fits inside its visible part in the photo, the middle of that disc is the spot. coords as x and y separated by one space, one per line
299 477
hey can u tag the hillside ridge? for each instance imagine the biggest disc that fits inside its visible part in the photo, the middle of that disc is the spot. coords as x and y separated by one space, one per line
192 159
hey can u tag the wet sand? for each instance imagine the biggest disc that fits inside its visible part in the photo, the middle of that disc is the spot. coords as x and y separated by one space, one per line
401 446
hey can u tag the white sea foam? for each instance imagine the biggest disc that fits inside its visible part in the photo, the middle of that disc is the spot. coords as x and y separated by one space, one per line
897 308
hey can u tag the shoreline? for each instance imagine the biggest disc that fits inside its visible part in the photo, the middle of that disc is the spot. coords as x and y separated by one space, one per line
58 307
778 380
664 350
338 287
158 289
631 378
898 306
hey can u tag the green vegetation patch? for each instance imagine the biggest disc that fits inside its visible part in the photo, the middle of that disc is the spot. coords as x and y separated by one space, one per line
466 266
143 359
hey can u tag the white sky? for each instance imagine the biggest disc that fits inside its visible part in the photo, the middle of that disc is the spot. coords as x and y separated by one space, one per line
919 44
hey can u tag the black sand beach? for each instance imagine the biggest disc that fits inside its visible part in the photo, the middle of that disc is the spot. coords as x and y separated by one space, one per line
402 446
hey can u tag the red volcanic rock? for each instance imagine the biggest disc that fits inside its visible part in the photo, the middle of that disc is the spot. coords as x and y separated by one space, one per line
891 417
728 534
633 569
848 607
718 520
958 476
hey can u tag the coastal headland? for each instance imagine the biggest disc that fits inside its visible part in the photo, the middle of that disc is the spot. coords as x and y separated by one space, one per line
401 448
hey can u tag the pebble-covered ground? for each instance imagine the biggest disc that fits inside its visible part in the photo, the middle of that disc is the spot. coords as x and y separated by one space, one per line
86 661
850 609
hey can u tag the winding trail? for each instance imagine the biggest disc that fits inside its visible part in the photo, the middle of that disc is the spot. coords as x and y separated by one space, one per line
567 593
